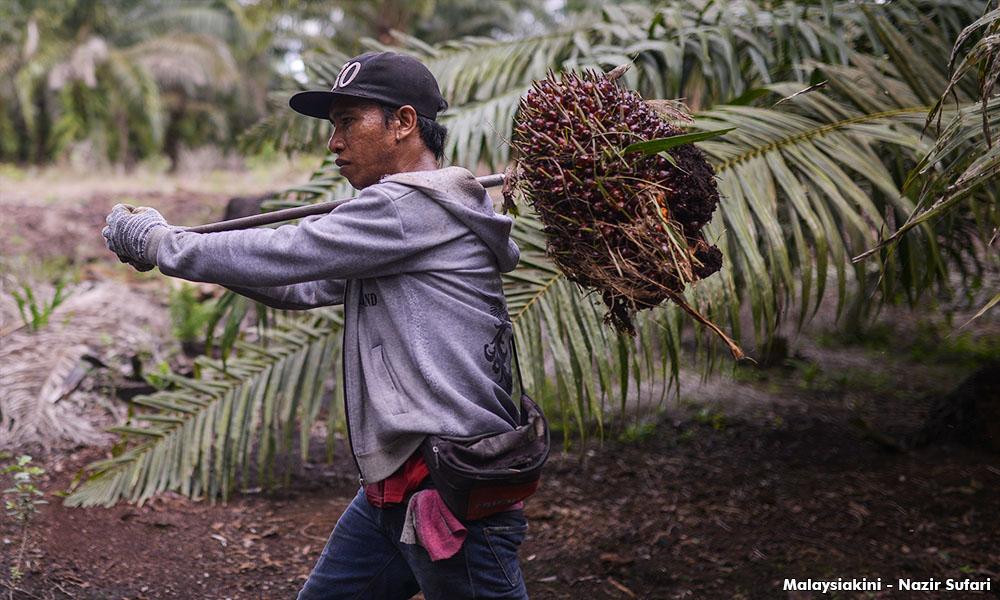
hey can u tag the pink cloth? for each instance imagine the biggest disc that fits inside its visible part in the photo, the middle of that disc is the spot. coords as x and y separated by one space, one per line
431 524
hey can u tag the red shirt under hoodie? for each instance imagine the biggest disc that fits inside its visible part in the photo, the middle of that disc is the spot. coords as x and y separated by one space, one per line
396 487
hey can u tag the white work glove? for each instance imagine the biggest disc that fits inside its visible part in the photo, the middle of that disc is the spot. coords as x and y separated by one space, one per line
134 233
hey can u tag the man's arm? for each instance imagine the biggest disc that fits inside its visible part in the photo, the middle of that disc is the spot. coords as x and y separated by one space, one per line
363 238
299 296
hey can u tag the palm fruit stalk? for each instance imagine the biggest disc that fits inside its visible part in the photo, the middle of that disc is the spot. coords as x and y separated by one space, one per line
625 225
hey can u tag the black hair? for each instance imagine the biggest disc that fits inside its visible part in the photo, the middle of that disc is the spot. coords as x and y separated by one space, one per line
432 133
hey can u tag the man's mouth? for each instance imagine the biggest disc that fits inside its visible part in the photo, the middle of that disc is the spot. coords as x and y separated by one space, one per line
340 162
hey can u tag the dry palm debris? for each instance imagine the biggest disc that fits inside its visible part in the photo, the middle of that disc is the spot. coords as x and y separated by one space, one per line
621 223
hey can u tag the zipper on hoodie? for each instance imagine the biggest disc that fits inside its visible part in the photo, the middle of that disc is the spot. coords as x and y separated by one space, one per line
347 403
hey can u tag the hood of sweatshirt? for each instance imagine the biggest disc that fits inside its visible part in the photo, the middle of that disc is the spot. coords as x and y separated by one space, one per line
458 192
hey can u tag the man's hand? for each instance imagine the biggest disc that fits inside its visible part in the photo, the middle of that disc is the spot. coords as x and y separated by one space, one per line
132 233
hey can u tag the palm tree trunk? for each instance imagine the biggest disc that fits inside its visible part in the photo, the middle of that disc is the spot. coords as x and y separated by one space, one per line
124 153
172 136
970 413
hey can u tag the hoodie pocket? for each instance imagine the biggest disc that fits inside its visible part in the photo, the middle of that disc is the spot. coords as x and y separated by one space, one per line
385 391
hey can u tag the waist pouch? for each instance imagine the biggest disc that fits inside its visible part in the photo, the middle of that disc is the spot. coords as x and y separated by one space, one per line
485 474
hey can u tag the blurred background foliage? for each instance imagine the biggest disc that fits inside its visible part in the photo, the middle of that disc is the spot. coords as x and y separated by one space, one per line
138 78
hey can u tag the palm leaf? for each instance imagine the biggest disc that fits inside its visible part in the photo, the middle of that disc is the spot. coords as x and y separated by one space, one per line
684 51
562 338
986 307
150 20
706 53
972 172
778 167
138 51
955 176
186 61
197 438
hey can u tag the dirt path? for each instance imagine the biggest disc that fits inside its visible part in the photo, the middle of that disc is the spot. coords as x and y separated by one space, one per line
719 508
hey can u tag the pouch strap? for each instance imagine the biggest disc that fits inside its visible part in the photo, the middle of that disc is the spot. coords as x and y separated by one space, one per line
517 363
517 405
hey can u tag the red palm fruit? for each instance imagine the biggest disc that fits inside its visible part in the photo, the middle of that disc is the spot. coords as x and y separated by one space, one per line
594 200
597 193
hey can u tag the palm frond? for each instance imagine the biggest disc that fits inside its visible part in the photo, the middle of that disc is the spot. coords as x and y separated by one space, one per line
479 132
986 307
187 61
150 20
140 95
198 437
797 199
970 165
955 175
324 184
678 52
40 399
284 129
706 53
287 130
983 54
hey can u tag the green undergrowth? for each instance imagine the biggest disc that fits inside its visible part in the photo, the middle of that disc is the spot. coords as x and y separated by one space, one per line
928 341
637 433
881 377
935 343
190 313
881 382
28 269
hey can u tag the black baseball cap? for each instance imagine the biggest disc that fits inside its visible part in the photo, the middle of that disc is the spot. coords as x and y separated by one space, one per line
389 78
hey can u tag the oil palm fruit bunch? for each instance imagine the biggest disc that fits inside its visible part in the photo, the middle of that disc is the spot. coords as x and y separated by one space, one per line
622 223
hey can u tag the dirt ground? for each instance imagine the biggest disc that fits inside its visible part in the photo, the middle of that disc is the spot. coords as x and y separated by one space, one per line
749 479
719 509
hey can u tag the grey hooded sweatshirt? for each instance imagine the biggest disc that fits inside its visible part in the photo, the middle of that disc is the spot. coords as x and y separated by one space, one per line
416 261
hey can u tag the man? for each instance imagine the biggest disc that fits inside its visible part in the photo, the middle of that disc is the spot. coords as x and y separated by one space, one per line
416 260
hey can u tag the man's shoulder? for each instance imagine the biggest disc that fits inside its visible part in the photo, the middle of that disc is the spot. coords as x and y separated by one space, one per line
447 180
393 190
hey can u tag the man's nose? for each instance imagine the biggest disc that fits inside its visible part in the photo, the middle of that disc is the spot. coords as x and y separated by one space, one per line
336 143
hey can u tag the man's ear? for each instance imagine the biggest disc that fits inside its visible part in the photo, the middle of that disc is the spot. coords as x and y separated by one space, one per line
407 117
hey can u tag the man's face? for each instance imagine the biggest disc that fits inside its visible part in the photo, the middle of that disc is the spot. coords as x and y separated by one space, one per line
364 146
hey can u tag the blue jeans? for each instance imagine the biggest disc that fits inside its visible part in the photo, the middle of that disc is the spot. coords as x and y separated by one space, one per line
365 559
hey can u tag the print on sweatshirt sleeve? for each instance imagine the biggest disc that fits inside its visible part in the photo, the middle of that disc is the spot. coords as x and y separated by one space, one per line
497 351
